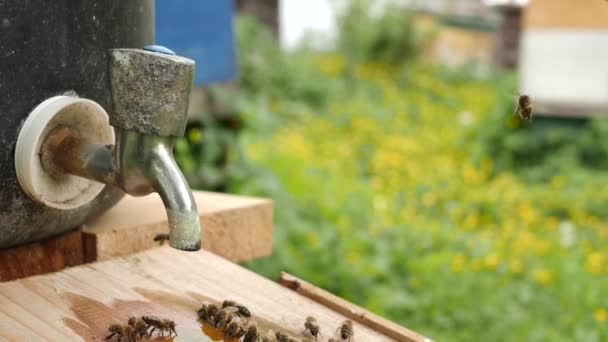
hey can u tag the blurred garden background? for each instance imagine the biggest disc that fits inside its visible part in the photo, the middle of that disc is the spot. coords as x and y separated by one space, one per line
409 186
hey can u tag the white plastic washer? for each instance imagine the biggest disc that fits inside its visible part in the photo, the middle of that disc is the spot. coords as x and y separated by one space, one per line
69 191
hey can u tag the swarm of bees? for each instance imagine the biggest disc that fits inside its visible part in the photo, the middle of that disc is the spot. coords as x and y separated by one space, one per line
137 328
231 321
228 319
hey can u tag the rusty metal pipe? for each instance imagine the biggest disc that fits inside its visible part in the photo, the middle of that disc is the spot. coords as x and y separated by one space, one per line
65 151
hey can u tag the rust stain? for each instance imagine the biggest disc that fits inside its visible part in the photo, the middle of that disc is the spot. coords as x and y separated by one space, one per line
94 317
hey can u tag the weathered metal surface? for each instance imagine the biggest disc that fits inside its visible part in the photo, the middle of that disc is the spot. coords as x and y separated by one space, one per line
150 91
47 49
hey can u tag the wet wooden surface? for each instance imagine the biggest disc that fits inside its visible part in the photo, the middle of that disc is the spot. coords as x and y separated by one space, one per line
79 303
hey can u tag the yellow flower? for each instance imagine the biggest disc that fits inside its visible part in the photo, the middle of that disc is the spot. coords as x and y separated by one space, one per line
557 182
195 135
331 64
516 266
542 276
491 261
428 199
594 263
600 314
458 263
352 257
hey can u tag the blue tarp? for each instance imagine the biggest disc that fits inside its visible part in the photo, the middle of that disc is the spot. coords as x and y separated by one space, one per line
200 30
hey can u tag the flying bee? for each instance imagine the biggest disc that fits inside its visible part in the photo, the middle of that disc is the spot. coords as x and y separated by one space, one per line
161 324
346 330
242 310
234 330
121 331
161 238
252 334
524 107
139 326
312 326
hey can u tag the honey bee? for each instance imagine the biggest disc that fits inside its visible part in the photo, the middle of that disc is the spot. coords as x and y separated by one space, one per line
234 330
346 330
207 313
312 326
161 324
139 326
223 317
252 334
281 337
524 107
242 310
121 331
161 238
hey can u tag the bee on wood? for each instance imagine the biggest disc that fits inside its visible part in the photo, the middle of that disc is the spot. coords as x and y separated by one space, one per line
346 330
223 317
161 324
203 314
161 238
139 326
524 107
312 326
234 330
207 313
121 331
281 337
252 334
242 310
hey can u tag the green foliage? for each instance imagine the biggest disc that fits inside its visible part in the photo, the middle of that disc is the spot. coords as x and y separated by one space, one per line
409 189
389 38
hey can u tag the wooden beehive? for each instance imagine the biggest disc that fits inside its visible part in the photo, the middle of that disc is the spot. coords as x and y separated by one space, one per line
564 56
129 274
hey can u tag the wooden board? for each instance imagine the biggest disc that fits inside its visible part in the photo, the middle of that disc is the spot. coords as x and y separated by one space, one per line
79 303
556 14
50 255
236 227
350 310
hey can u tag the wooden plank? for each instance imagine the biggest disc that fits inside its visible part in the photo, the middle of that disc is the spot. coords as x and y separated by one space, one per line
238 228
350 310
50 255
79 303
578 14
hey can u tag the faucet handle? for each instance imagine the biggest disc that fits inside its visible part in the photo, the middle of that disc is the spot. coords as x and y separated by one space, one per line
150 91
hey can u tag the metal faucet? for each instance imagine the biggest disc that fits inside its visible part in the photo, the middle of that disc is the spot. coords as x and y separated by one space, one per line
150 92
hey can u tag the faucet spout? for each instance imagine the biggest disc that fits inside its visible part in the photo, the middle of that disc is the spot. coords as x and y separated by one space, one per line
138 164
182 214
